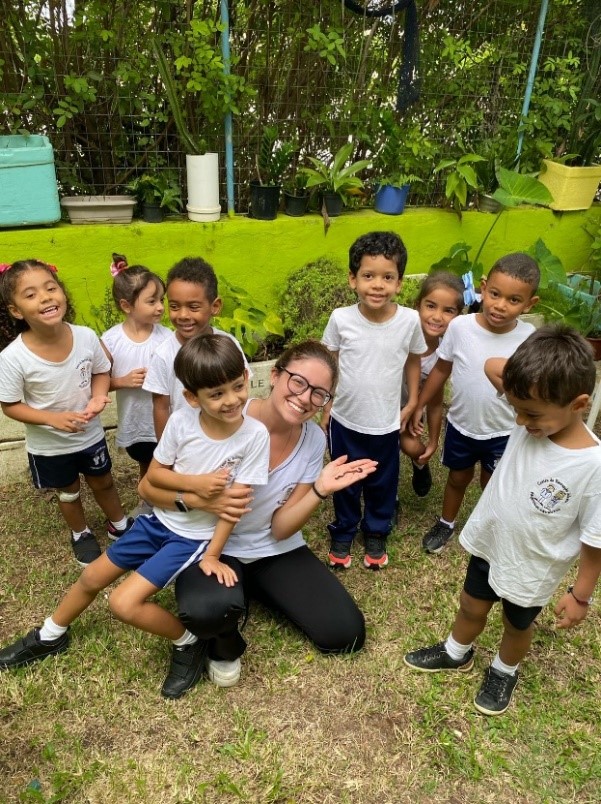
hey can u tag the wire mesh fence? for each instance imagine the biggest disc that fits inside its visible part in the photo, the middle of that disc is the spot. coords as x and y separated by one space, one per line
319 72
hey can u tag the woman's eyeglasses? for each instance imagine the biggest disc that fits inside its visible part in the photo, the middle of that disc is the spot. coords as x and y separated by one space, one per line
297 385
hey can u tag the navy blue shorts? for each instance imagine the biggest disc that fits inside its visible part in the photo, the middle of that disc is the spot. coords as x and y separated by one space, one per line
462 452
476 585
141 452
60 471
158 554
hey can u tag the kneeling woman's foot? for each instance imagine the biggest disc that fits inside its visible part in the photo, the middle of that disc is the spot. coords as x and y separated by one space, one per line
31 649
223 673
187 665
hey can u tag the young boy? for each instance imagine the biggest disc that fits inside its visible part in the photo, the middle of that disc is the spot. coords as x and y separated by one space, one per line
206 446
375 340
191 289
541 510
478 422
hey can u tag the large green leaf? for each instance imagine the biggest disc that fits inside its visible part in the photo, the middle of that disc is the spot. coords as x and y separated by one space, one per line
517 188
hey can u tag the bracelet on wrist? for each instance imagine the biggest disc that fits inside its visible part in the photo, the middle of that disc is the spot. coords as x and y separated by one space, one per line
579 600
319 494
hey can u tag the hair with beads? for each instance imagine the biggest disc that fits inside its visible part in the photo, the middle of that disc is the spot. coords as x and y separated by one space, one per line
131 280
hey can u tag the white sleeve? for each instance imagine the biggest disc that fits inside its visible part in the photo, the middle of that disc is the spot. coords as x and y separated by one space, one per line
254 467
157 380
331 334
166 450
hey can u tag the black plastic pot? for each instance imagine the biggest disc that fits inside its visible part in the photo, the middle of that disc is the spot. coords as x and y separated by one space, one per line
486 203
264 201
152 213
295 205
333 203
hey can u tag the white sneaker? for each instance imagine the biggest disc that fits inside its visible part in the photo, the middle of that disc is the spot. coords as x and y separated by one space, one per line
223 673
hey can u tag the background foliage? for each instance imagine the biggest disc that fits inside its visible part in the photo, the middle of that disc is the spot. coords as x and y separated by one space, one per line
85 74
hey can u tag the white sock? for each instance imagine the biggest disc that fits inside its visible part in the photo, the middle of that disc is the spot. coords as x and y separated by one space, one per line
508 669
77 535
455 649
449 524
419 465
51 631
121 524
186 639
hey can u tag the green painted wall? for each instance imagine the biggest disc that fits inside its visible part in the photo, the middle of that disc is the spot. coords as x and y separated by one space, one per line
260 254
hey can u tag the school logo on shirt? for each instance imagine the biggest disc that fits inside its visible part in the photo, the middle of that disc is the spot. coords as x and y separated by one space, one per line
286 492
232 464
84 370
550 495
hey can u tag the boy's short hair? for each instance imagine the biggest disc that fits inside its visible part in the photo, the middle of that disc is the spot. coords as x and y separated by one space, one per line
555 363
197 271
520 266
374 244
207 361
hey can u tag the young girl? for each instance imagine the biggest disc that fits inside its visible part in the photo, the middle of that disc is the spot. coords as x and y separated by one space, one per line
138 293
207 445
439 300
54 377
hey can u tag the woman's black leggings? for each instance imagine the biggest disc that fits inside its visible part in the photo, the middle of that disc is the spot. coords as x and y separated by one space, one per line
297 584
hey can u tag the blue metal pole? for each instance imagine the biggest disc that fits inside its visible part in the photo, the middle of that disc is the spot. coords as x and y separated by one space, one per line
229 145
540 27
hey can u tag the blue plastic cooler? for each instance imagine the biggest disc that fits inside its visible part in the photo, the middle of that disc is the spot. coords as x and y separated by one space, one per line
28 192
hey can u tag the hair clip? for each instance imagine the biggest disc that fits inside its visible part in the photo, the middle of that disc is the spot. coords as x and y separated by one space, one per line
53 268
118 264
4 266
469 294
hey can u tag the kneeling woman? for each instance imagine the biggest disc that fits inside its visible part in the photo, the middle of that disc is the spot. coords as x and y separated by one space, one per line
266 548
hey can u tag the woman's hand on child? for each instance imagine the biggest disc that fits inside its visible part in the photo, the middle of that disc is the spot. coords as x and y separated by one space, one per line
69 421
211 484
569 612
224 574
341 473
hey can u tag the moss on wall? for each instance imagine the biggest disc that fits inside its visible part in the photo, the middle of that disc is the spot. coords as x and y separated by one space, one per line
260 254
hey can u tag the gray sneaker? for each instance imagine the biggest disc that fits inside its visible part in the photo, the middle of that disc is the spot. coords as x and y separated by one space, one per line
435 658
436 538
494 696
85 549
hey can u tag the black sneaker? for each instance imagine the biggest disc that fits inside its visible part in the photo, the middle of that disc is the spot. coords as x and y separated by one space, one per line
187 665
113 533
494 696
435 657
376 556
30 649
339 556
436 538
421 480
85 549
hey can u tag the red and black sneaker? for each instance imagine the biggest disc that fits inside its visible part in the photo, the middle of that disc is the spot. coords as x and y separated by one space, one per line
339 556
376 556
113 533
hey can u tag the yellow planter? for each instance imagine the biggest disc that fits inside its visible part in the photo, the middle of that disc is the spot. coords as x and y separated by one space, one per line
571 187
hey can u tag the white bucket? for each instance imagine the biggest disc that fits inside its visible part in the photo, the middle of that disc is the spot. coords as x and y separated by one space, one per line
203 187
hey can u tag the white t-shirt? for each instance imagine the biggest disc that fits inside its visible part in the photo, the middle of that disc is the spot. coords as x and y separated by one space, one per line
542 501
45 385
161 379
251 538
371 359
188 450
475 409
134 405
427 363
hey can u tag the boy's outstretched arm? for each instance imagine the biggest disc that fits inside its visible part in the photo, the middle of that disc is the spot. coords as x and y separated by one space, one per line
569 611
433 385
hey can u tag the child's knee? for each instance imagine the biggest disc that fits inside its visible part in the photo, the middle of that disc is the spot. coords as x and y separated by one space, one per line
472 608
91 580
100 482
119 606
460 479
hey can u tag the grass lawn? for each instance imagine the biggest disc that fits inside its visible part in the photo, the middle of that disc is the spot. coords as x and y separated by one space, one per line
91 726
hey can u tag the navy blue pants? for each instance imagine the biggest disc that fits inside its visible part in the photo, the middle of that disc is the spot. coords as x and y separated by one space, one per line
379 490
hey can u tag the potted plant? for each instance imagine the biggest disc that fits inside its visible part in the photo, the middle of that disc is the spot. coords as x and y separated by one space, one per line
272 160
296 196
157 194
573 176
460 178
335 178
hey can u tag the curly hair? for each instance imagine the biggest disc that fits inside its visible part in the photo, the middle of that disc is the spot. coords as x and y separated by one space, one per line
376 244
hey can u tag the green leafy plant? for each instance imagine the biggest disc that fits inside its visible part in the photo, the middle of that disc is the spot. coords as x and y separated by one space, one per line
404 154
460 177
247 319
274 157
335 175
161 189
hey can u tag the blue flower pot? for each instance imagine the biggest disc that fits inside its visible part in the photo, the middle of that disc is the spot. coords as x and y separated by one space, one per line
390 200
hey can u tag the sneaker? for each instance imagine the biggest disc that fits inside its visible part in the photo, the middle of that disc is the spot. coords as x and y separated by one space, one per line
436 538
113 533
494 696
223 673
30 649
435 657
186 668
85 549
421 480
340 555
376 556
